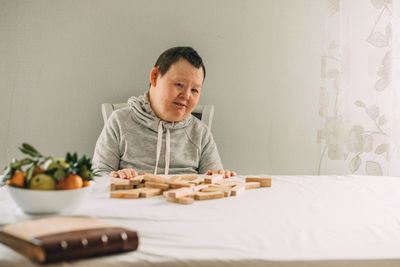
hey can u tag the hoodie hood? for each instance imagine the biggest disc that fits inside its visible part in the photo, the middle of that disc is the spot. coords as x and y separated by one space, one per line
144 114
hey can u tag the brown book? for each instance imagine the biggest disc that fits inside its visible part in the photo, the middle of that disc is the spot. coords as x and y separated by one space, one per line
67 238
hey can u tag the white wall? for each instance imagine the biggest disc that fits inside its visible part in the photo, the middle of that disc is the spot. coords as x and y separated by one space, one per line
61 59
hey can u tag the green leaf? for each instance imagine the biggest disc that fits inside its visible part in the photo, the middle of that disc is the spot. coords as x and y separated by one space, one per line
26 161
30 148
29 174
18 164
29 152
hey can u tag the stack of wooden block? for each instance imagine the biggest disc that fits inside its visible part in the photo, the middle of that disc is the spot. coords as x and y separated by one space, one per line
183 189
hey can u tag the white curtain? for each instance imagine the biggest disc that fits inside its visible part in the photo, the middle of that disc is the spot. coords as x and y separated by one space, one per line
360 89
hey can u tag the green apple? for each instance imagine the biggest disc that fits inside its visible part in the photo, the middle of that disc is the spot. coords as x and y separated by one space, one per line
58 163
59 166
42 182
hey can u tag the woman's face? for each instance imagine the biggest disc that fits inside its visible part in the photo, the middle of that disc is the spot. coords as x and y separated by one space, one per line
174 95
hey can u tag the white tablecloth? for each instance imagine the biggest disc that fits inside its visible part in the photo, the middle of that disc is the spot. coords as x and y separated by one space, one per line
299 221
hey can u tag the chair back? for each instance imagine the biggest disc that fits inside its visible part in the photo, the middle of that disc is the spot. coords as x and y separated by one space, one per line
204 113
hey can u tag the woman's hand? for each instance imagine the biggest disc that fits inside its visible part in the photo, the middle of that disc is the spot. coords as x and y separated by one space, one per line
124 173
225 173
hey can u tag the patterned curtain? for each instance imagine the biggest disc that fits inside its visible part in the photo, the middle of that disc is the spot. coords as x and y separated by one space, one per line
360 89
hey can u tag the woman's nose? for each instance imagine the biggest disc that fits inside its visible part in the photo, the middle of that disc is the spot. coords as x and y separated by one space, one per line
185 93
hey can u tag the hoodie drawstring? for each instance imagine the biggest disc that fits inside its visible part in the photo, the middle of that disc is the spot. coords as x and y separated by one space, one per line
159 145
167 143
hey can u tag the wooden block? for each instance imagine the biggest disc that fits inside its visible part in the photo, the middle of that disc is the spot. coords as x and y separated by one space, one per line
114 187
133 193
136 180
181 200
251 185
238 189
174 178
180 192
197 181
165 193
213 179
155 178
179 184
119 181
200 186
141 185
189 177
208 195
223 187
229 183
156 185
264 181
227 192
149 192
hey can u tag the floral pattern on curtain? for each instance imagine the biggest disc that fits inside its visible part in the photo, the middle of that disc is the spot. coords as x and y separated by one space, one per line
360 90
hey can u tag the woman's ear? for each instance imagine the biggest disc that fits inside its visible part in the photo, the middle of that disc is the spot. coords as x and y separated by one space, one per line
153 76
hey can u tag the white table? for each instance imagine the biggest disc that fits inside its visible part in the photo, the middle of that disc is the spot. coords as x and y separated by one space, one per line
299 221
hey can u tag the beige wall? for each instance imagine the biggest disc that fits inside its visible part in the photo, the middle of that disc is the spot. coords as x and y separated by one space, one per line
61 59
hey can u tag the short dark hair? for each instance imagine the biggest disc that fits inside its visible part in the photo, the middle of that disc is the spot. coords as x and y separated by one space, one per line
172 55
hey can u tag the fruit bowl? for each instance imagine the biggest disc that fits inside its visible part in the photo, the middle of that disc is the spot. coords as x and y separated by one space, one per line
46 184
48 201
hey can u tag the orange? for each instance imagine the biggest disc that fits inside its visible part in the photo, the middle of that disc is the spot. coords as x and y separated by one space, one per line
18 178
71 181
37 170
86 183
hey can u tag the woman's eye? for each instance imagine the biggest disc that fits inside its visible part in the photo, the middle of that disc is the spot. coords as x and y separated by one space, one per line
179 84
195 90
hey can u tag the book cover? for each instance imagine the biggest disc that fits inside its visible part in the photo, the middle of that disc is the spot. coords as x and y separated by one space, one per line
67 238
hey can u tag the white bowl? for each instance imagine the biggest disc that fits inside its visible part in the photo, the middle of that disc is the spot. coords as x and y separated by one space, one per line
48 201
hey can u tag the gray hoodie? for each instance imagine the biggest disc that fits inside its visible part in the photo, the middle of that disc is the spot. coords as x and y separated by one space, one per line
134 137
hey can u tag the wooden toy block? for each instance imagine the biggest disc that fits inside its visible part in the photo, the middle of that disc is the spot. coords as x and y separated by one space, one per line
252 185
149 192
133 193
165 194
222 187
114 187
179 192
200 186
119 181
184 189
180 184
155 178
156 185
238 189
213 179
141 185
197 181
229 183
136 180
181 200
175 178
264 182
227 192
208 195
189 177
